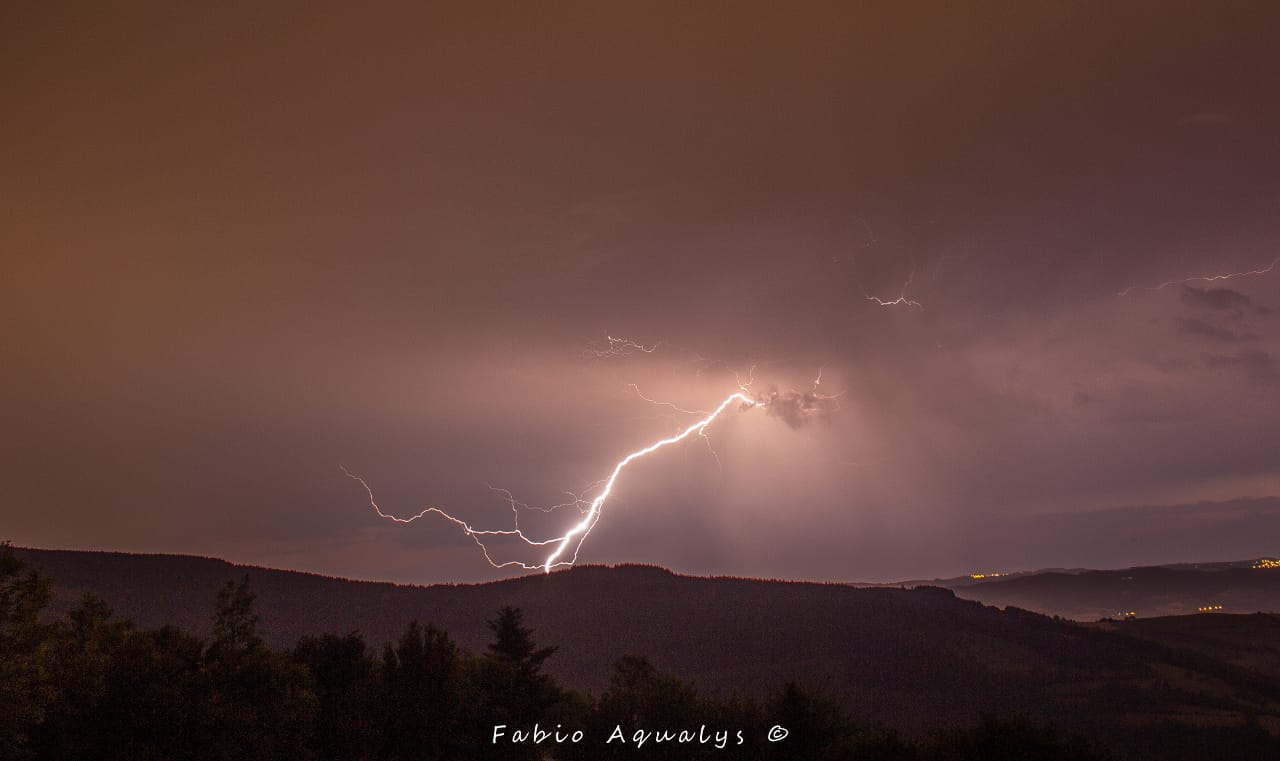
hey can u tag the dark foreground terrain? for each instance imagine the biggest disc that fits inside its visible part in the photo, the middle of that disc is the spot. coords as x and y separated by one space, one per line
920 661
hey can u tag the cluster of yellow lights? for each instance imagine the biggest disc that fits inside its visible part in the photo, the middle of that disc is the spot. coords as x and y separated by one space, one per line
1267 563
1209 608
985 575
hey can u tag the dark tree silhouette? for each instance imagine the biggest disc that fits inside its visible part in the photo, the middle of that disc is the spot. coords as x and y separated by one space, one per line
84 648
24 690
347 717
511 687
638 695
641 698
816 723
423 692
260 704
156 698
513 642
1014 738
235 624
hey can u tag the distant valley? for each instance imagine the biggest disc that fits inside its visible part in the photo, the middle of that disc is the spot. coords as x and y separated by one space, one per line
1247 586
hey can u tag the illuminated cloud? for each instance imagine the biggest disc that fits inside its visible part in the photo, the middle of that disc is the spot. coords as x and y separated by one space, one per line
221 281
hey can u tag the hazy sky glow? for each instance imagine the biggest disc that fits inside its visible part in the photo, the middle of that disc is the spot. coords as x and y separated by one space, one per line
245 246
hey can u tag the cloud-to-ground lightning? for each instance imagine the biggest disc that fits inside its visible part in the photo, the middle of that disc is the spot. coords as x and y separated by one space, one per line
792 406
565 547
588 522
1201 279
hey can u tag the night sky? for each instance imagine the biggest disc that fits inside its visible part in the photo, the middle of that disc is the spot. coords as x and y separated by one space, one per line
244 244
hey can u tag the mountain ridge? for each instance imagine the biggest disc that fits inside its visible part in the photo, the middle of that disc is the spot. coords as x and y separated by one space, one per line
913 658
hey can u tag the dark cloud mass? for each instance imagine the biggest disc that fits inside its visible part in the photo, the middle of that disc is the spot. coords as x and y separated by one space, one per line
247 244
1195 327
1214 298
796 408
1257 365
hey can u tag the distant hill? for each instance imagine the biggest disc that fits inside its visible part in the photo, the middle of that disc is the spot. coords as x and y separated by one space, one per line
913 658
1158 591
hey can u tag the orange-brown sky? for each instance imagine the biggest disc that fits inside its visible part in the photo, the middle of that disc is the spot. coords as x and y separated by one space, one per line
246 243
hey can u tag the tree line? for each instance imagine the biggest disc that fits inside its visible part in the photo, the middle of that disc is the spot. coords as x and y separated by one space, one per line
90 685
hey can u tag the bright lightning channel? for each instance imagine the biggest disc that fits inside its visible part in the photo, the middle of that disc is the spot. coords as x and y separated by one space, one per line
565 547
1200 278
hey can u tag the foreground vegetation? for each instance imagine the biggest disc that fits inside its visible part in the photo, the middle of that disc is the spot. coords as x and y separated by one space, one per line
90 685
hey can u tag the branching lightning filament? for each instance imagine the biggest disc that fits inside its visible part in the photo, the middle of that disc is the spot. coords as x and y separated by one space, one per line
564 548
618 347
793 407
1201 278
902 299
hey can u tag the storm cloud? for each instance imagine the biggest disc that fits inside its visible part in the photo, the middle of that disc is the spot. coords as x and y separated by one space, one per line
245 244
1257 365
1197 328
1214 298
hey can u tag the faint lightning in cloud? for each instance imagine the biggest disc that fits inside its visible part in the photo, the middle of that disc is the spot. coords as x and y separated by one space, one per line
659 403
902 299
618 347
1201 279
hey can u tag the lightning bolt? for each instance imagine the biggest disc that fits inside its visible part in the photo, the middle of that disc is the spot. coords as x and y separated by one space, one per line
593 515
792 406
565 547
1200 278
902 299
